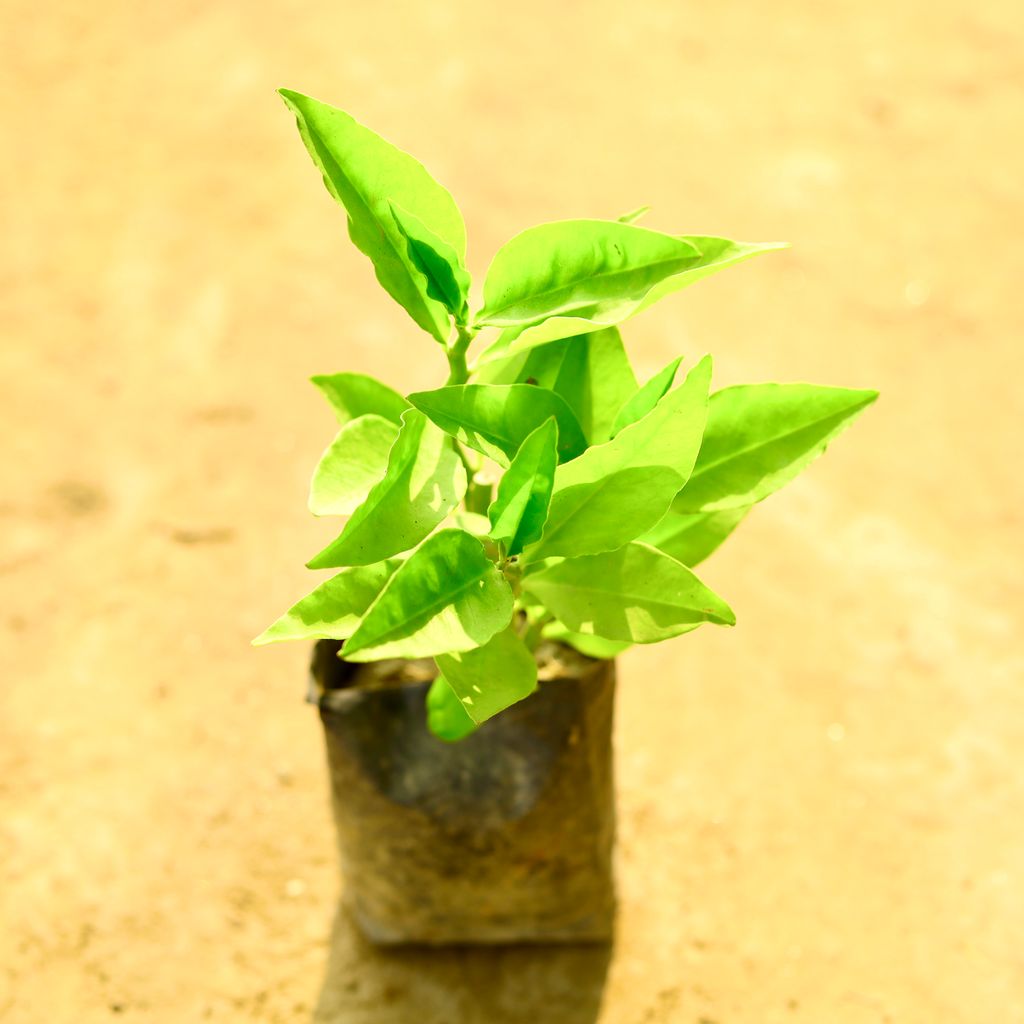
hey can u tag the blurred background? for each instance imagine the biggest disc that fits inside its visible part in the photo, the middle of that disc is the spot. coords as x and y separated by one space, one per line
821 811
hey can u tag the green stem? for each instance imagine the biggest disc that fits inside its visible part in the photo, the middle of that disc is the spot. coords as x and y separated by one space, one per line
458 371
532 635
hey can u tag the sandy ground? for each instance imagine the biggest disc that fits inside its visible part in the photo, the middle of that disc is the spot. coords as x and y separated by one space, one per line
822 811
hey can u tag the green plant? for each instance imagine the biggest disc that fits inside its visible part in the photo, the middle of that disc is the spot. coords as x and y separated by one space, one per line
540 492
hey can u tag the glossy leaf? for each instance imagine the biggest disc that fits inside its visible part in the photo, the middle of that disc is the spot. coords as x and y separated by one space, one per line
496 419
520 507
591 646
715 254
594 269
759 436
634 594
691 537
363 172
355 394
447 717
356 460
333 610
618 490
591 372
488 679
718 254
447 278
424 480
642 401
446 597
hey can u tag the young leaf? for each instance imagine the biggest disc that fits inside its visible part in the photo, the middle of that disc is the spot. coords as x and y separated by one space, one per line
518 511
355 394
363 172
591 646
594 269
447 278
691 537
759 436
616 491
719 253
635 594
356 459
646 398
591 372
445 598
495 419
490 678
715 254
333 610
447 717
634 215
424 480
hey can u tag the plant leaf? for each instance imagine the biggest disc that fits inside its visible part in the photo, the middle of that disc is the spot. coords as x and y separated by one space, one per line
520 507
591 646
446 597
646 398
618 490
424 480
447 278
447 717
634 594
355 394
489 678
363 172
634 215
719 254
332 611
591 372
595 269
495 419
715 254
691 537
759 436
355 460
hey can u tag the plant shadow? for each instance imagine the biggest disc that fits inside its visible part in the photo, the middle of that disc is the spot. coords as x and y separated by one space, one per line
368 984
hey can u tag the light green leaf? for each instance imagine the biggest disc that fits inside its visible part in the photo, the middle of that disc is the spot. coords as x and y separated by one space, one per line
759 436
591 646
591 372
447 717
495 419
634 215
595 269
424 480
356 459
334 609
518 511
634 594
720 253
355 394
618 490
691 537
446 597
447 278
363 172
490 678
646 398
715 254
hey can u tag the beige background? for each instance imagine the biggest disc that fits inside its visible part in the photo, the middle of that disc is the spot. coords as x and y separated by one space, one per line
822 811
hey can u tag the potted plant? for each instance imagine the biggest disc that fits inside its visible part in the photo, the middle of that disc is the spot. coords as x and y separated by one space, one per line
508 534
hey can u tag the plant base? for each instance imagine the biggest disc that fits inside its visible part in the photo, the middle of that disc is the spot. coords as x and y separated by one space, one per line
503 837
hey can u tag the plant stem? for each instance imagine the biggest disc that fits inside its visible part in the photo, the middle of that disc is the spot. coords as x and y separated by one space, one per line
458 371
532 634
